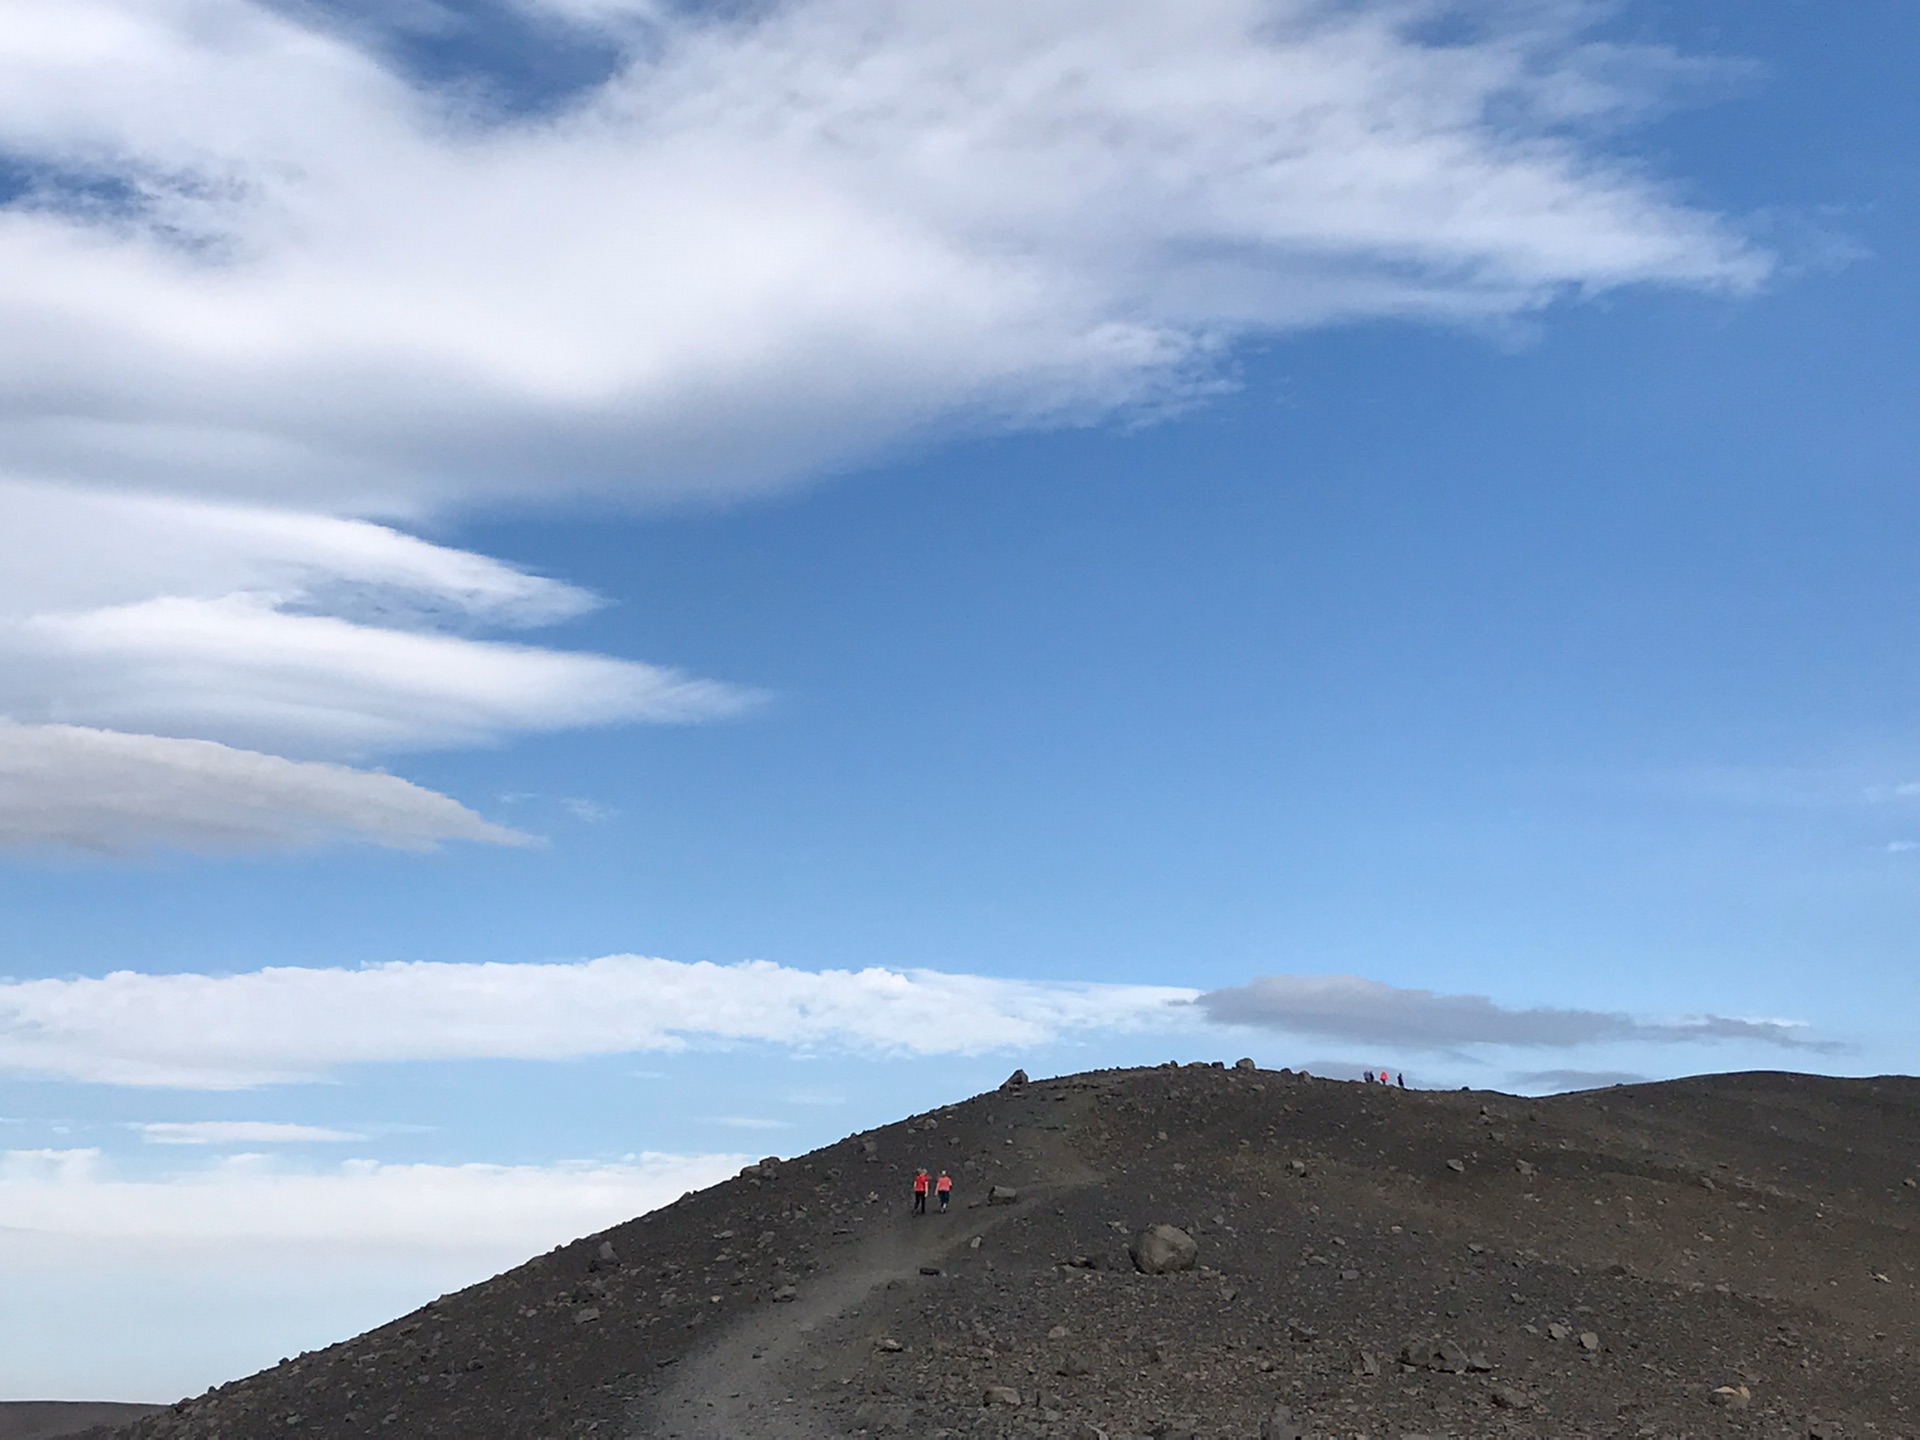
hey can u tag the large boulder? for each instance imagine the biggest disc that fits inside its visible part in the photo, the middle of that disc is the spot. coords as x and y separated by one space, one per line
1162 1249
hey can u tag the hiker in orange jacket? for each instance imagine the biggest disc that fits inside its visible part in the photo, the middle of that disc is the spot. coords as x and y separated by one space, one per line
944 1187
920 1192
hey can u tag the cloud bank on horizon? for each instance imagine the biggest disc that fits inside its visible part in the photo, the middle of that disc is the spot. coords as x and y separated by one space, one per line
288 1025
1346 1007
267 297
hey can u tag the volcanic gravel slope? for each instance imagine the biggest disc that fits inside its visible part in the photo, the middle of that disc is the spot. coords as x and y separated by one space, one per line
1384 1263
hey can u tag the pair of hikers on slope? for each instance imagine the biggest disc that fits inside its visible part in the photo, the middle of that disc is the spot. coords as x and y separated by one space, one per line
943 1187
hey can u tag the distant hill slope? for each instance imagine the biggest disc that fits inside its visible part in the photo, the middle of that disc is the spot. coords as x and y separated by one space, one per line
56 1419
1730 1255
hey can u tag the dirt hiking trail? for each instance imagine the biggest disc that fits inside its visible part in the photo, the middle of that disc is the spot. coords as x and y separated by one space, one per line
756 1379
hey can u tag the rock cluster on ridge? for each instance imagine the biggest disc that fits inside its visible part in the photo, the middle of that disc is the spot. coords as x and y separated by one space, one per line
1732 1255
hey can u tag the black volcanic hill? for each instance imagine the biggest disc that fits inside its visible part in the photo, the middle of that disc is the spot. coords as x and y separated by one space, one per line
1732 1255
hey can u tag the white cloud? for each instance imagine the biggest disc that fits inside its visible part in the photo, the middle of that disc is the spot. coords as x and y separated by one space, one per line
513 1210
290 1024
223 1269
241 1132
96 790
761 246
1350 1008
304 634
256 265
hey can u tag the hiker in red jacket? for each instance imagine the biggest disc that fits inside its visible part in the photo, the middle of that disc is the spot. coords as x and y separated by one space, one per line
944 1187
920 1192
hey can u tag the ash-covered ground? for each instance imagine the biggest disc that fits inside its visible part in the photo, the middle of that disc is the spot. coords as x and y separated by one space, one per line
1731 1255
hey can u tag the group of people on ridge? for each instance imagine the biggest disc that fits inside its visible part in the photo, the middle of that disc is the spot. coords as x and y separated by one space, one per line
1368 1076
943 1187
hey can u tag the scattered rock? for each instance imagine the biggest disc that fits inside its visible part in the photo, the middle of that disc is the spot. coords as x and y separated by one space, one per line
1280 1425
1557 1331
1298 1167
1245 1062
1443 1356
1301 1334
1365 1362
1589 1341
1458 1167
1507 1397
929 1269
1162 1249
1014 1082
1732 1397
887 1345
1002 1195
586 1315
1001 1394
786 1293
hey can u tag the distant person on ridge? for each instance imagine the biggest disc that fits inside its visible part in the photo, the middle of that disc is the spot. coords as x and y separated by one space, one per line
944 1185
1383 1077
1403 1079
920 1192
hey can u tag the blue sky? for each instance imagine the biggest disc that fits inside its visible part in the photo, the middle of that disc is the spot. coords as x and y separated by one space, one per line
1343 535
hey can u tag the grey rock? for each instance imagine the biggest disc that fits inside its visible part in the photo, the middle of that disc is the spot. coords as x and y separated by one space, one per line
1443 1356
1014 1081
1000 1395
1002 1195
1163 1249
1458 1167
1245 1062
1279 1424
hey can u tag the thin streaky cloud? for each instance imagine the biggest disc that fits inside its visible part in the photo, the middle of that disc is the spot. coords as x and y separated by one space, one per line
242 1132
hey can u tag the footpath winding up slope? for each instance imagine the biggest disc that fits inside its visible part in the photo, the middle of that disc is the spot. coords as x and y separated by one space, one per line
1732 1255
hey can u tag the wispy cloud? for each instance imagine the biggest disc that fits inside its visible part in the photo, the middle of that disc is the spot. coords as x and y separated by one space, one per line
241 1132
287 1024
765 243
1350 1008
